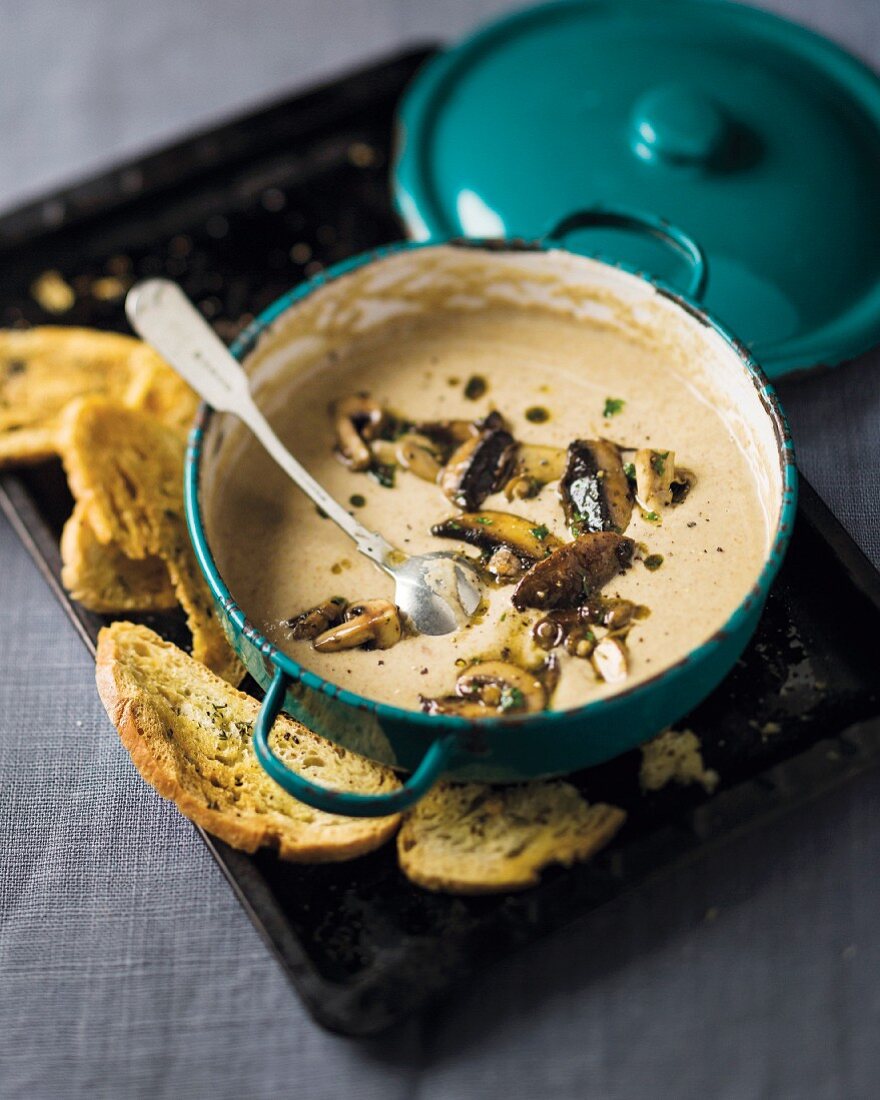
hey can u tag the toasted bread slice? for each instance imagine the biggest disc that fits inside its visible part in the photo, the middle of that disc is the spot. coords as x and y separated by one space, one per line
675 756
104 580
125 471
158 390
41 371
475 839
189 735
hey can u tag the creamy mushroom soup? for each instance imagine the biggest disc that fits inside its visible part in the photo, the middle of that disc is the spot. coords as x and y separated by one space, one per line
617 505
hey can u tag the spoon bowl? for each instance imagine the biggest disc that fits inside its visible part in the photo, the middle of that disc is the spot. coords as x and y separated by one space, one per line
439 592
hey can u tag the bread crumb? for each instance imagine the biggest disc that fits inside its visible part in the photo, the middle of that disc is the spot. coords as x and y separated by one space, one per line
675 755
109 287
52 293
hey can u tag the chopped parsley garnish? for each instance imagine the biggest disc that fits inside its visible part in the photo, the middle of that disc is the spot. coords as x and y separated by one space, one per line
541 531
613 405
485 521
658 462
630 470
511 698
653 561
652 517
383 474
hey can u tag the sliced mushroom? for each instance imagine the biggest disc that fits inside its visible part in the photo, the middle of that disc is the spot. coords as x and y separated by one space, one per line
447 435
682 482
480 466
493 530
574 572
491 687
571 628
536 466
613 612
417 453
502 685
654 475
610 660
580 641
595 492
373 623
550 631
384 451
309 624
356 420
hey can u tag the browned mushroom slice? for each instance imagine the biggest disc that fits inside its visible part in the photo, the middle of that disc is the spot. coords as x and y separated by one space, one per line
613 612
682 482
374 623
570 627
489 689
417 453
654 474
356 420
491 531
480 466
504 686
309 624
536 466
595 492
574 572
447 435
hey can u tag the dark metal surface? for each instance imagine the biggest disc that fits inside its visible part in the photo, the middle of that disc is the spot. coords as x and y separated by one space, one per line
237 217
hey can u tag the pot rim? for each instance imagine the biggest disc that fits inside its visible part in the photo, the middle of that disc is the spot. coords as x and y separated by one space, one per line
441 724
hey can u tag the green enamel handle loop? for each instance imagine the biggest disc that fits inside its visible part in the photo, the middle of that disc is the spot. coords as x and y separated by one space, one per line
605 217
433 764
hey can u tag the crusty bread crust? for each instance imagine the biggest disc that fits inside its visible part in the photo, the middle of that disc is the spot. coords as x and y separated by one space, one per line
210 771
476 839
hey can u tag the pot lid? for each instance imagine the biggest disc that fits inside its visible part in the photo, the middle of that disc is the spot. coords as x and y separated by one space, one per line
757 141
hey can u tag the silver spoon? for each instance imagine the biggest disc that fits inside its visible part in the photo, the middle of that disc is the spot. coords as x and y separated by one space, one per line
439 592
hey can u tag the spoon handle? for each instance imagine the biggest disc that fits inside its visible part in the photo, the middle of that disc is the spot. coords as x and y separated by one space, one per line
161 314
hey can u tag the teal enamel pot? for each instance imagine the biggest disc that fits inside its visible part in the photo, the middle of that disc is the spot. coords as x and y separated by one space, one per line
435 276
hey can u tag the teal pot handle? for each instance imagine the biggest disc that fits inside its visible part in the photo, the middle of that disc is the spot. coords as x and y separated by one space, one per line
649 225
433 764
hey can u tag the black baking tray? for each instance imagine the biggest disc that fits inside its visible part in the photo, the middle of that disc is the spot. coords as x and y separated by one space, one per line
237 216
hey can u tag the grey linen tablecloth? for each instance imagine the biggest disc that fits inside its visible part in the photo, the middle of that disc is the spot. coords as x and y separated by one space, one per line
126 966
